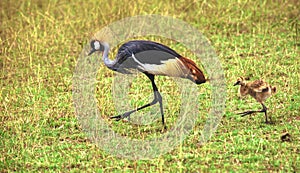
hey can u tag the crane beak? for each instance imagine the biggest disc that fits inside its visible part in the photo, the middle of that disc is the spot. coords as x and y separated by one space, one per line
238 82
91 52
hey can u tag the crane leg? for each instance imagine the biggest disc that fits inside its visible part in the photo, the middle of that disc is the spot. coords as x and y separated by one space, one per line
264 110
157 98
248 113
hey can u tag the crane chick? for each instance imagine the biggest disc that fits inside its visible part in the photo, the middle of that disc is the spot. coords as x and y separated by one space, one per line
259 90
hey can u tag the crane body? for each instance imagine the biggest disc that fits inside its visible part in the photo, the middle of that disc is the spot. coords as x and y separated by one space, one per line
150 58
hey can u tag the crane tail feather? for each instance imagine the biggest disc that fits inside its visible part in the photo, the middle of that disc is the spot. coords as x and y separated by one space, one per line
196 75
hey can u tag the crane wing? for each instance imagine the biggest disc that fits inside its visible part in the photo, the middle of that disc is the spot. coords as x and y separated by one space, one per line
147 52
147 56
157 59
259 86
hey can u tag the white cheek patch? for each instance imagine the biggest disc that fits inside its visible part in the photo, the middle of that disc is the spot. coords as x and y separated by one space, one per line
97 45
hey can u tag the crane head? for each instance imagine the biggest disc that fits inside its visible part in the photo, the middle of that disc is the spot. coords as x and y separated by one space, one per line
241 81
96 46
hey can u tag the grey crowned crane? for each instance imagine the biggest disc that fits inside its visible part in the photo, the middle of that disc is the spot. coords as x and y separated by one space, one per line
259 90
152 59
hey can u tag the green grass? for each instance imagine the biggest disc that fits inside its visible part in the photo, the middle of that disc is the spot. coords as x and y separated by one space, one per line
40 45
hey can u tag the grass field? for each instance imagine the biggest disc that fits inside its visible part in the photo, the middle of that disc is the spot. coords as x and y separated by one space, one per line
40 45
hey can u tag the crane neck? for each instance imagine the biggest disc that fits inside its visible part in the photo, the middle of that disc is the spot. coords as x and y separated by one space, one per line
109 63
